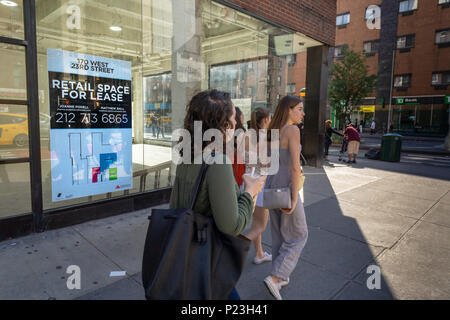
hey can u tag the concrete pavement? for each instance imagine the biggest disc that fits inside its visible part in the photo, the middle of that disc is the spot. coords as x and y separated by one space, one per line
393 215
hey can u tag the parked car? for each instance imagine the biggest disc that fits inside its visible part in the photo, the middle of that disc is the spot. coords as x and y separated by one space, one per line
13 129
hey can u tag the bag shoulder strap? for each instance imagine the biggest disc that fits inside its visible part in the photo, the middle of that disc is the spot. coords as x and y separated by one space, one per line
198 183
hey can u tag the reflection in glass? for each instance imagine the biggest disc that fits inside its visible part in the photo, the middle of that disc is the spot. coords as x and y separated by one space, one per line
13 83
13 132
11 19
15 194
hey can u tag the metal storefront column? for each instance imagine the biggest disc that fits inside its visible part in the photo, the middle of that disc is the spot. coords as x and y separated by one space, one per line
315 104
29 14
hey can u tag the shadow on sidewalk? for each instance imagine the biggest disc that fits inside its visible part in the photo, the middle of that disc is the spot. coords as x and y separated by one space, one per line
335 260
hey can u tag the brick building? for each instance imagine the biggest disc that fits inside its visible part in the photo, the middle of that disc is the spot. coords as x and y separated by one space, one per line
410 53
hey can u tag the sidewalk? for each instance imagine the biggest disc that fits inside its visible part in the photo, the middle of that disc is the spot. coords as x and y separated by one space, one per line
418 145
394 215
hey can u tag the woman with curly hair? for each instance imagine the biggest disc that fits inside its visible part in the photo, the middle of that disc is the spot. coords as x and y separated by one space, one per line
219 196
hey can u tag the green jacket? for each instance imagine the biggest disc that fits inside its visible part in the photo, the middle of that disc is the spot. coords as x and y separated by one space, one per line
219 196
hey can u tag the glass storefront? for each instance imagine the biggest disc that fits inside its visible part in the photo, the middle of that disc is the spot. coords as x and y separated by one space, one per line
428 119
158 53
174 51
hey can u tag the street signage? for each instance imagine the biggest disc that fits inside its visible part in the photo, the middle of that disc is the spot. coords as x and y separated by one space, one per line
407 101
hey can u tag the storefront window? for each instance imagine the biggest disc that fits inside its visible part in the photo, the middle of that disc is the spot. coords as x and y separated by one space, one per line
11 19
173 51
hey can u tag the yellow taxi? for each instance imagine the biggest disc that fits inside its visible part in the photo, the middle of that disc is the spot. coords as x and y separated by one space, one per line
13 129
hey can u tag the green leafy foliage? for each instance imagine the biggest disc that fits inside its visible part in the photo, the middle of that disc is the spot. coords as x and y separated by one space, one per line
350 83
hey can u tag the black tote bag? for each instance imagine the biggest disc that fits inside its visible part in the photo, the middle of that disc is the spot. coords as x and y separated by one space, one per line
187 258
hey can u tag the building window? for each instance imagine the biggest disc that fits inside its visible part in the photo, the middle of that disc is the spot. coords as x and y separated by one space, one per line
407 5
343 19
280 64
402 81
291 59
339 52
441 78
443 37
406 42
444 2
290 89
371 47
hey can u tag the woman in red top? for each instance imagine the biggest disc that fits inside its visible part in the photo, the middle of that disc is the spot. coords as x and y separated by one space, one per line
238 165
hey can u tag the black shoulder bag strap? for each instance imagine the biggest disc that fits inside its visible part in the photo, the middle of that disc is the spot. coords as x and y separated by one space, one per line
200 231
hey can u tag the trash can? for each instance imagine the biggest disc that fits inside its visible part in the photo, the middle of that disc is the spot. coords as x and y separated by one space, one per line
391 147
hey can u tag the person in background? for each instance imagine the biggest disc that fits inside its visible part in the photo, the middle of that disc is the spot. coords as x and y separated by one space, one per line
219 196
328 137
288 225
153 119
160 127
372 127
353 143
238 164
260 120
361 126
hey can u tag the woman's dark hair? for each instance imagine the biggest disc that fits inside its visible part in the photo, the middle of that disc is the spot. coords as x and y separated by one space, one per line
213 108
239 124
281 116
258 115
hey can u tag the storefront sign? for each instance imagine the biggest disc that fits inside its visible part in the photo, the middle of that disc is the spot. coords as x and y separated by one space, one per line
90 131
407 101
368 109
447 100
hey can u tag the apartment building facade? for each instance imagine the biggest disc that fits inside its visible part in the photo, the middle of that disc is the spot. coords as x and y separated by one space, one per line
407 45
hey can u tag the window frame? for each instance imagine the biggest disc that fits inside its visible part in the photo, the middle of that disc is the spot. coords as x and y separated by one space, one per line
407 36
442 44
445 78
409 11
372 42
340 47
342 15
409 75
445 4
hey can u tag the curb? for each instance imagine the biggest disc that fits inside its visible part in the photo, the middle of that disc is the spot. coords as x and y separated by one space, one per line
414 151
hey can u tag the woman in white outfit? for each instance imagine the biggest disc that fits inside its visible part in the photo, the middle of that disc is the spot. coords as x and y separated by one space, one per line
288 225
260 120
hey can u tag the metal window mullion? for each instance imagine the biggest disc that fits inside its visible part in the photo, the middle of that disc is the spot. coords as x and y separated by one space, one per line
14 161
29 13
13 41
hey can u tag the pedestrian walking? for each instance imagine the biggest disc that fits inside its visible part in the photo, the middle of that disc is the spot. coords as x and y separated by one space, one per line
260 121
361 126
219 196
153 124
372 127
353 143
288 225
160 127
328 137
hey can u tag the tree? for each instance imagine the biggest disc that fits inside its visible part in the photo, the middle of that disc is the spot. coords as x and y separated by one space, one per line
350 83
